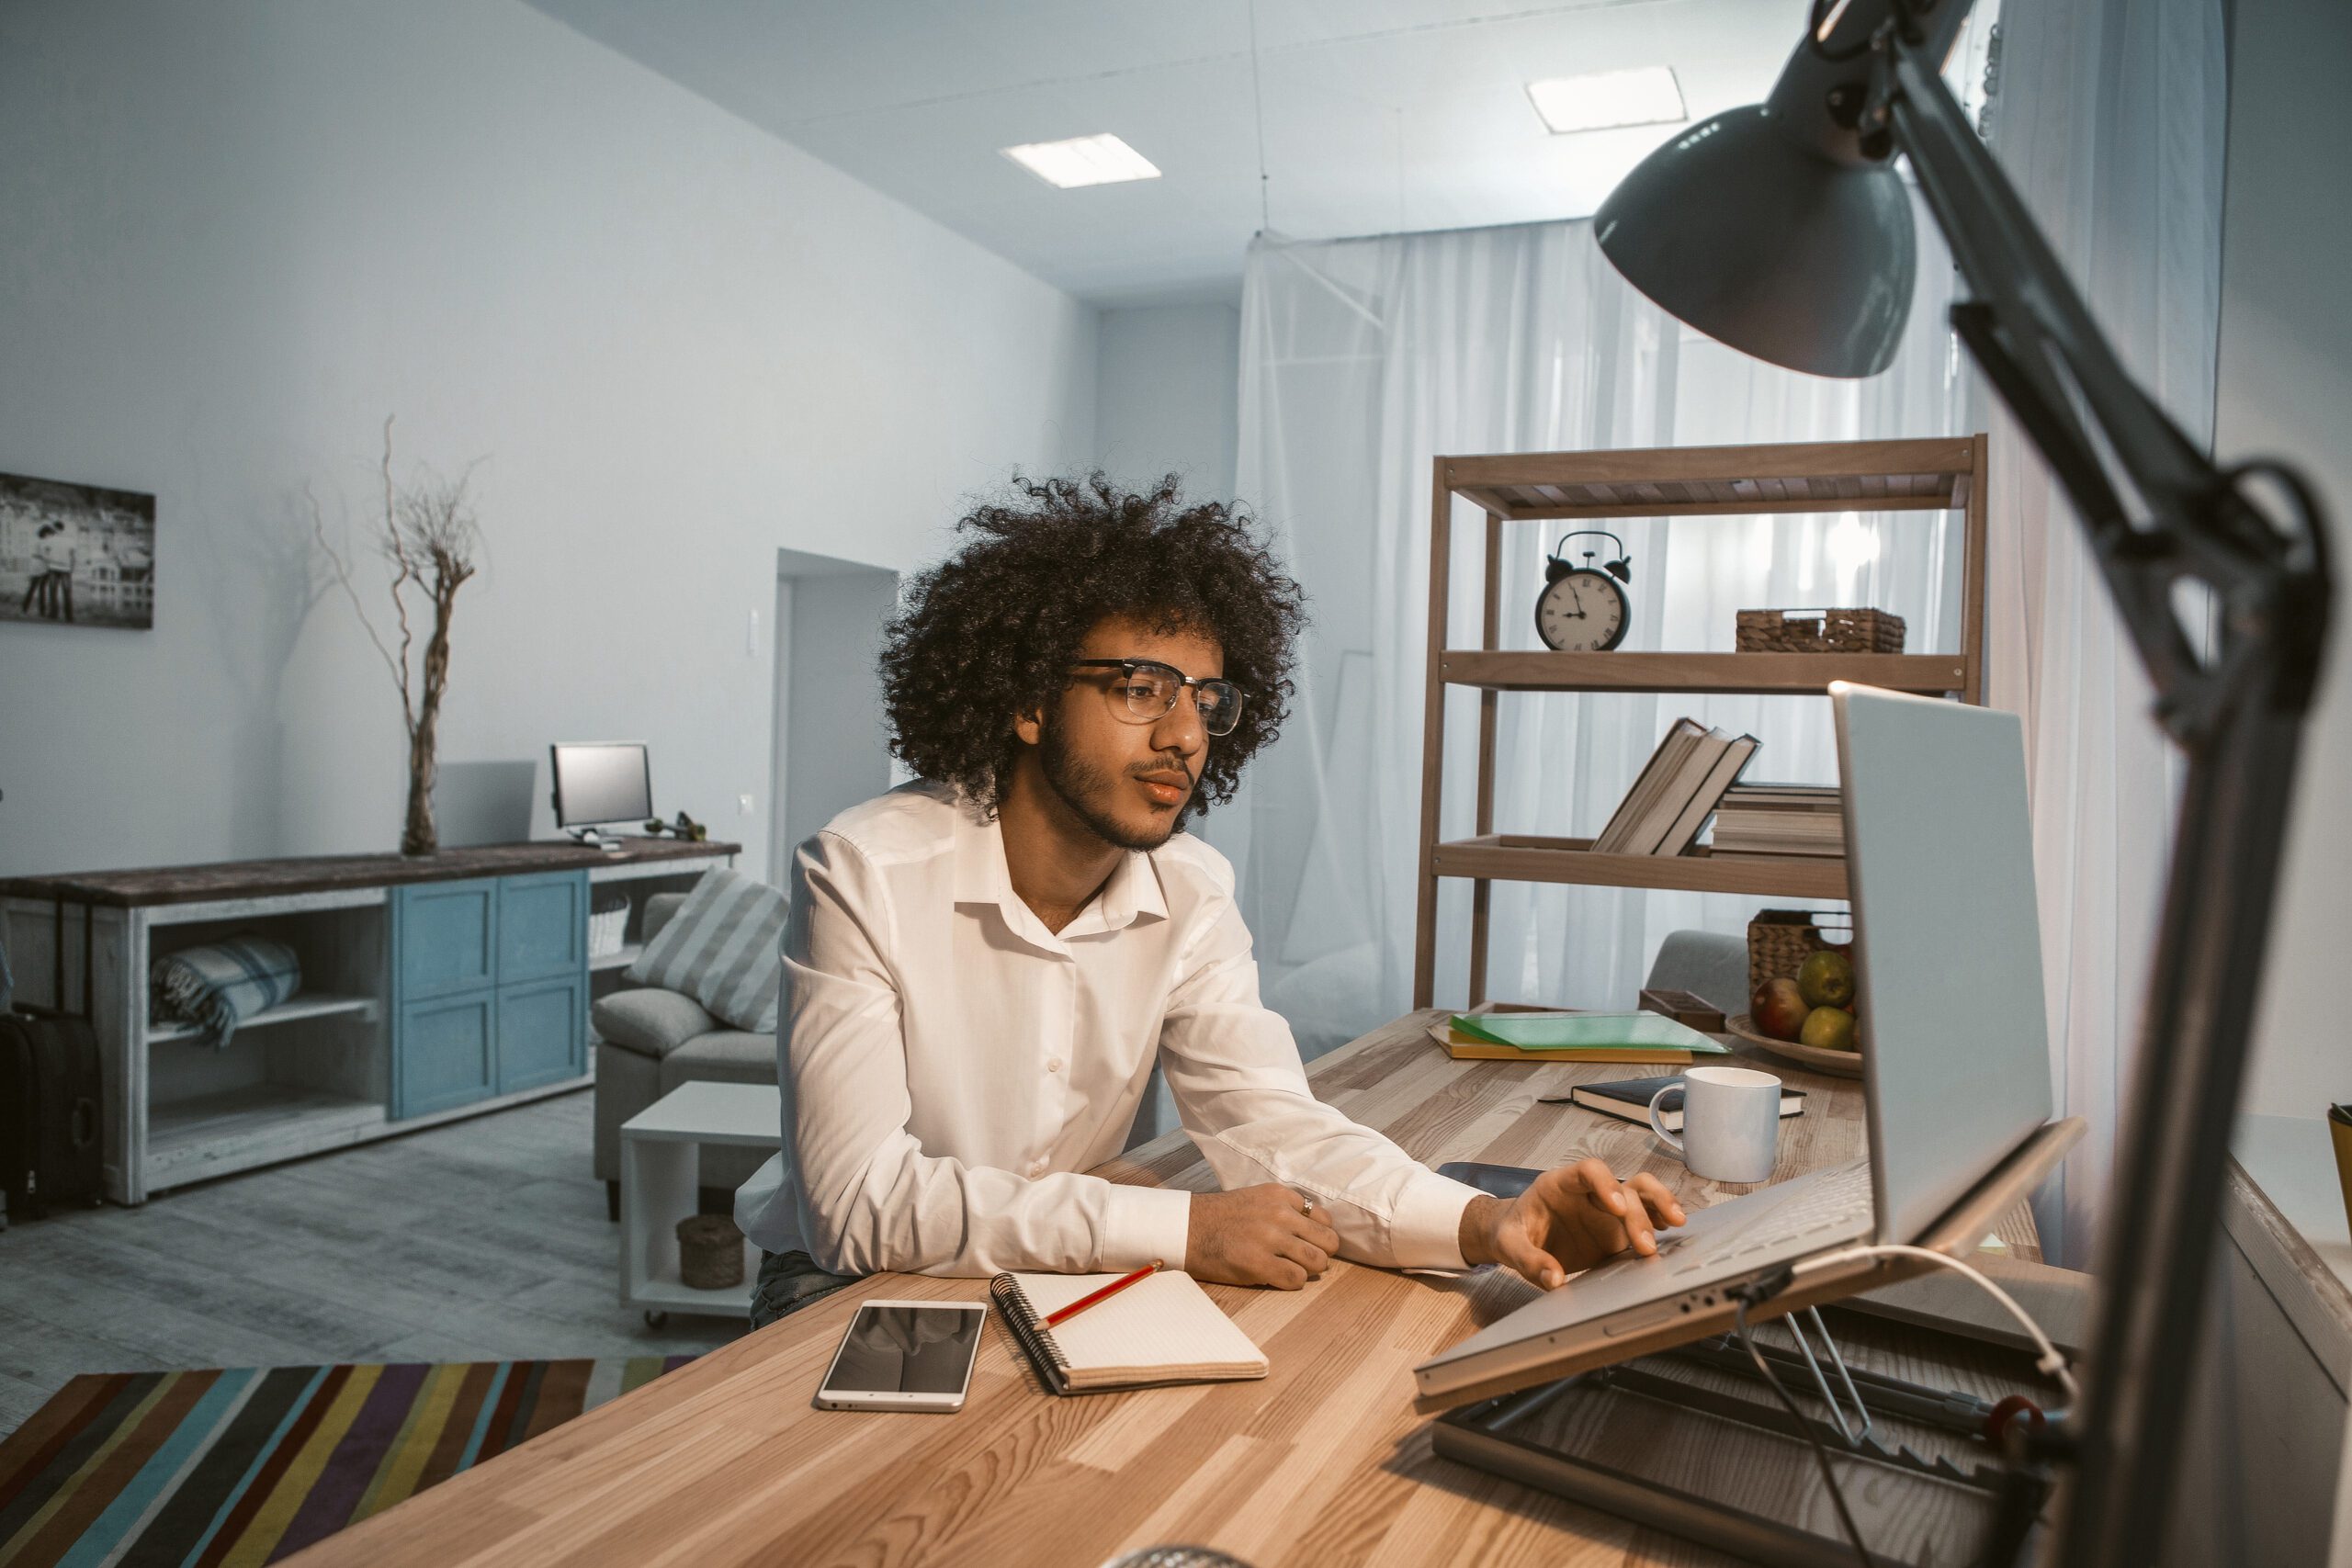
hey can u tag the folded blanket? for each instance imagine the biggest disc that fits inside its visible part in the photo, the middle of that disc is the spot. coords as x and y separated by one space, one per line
219 986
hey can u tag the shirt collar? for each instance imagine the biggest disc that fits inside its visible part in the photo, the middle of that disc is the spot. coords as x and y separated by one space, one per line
1131 893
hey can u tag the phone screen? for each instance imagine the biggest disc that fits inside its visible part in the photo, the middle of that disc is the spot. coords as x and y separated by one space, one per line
906 1349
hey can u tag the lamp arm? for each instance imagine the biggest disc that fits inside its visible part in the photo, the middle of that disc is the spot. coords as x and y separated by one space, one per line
2237 712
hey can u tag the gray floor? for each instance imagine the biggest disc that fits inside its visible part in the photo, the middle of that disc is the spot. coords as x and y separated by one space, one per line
478 1240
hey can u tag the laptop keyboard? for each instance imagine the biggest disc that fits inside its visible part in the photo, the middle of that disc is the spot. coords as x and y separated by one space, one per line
1838 1203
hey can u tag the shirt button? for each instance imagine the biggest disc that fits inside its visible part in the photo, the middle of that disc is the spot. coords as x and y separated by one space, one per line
1037 1168
1053 1064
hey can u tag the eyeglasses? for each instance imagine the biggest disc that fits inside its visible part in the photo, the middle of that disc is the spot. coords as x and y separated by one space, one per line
1146 690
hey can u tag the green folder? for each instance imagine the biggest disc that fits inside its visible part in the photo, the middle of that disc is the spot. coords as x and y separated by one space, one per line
1587 1032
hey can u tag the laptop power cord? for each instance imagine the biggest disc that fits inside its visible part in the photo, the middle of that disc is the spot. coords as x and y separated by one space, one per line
2050 1361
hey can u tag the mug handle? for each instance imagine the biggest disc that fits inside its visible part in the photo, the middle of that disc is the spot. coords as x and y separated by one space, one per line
1671 1141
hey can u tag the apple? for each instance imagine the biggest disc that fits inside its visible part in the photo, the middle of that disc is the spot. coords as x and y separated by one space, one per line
1778 1008
1829 1029
1827 979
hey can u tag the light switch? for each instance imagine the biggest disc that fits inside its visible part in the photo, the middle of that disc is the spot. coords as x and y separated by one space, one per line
743 806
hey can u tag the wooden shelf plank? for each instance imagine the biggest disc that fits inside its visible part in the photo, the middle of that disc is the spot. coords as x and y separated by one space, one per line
213 1134
1797 673
1514 857
1777 461
307 1005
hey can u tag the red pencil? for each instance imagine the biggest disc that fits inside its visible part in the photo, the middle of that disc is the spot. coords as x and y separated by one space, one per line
1105 1293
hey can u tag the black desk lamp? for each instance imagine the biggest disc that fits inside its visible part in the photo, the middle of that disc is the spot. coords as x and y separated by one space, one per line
1782 230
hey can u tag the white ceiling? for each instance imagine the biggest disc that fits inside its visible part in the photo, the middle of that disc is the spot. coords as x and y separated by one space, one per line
1380 116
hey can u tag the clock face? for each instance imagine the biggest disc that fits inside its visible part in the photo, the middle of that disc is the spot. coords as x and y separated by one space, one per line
1583 612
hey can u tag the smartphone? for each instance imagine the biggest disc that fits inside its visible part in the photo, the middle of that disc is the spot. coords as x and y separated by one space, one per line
1498 1180
905 1356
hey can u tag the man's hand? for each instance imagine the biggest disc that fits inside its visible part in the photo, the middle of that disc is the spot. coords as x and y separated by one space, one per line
1259 1236
1569 1218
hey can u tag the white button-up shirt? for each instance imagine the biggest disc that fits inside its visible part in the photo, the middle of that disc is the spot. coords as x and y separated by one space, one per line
949 1067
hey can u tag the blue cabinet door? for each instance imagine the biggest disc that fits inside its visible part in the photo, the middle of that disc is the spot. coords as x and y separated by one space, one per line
445 938
542 926
446 1054
542 1033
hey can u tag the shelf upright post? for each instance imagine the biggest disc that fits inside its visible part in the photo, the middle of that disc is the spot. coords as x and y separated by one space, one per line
1433 734
1490 632
1971 579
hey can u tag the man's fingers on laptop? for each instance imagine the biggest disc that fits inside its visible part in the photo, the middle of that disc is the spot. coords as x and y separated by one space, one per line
1664 1207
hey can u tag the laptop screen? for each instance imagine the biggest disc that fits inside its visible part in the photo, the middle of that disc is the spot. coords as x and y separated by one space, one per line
1939 859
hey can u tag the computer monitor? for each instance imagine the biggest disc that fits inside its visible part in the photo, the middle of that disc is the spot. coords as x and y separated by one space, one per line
599 781
1939 862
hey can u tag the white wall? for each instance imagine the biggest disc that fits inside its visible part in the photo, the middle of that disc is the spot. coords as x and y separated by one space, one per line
1167 396
234 236
2286 389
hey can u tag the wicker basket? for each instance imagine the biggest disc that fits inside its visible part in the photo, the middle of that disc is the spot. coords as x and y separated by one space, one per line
1779 940
710 1252
1818 631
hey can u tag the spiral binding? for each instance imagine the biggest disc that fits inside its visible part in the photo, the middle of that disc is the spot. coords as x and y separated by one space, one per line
1029 1333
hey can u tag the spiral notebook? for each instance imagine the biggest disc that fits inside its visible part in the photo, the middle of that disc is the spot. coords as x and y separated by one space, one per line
1162 1329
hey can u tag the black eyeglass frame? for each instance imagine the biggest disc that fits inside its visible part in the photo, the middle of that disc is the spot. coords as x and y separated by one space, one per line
1230 697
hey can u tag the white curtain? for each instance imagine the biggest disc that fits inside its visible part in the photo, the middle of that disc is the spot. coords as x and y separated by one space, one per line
1361 359
2110 118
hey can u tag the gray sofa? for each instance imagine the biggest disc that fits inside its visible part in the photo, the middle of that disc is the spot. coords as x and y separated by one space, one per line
649 1041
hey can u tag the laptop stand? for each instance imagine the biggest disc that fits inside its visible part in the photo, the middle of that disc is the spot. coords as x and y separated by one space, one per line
1691 1442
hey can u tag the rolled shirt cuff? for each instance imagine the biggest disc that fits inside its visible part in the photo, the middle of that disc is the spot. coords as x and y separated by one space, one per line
1425 1232
1140 1223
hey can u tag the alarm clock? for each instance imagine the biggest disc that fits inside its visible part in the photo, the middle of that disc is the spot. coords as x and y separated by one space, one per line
1584 609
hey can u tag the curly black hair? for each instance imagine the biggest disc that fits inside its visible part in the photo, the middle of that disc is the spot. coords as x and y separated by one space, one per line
989 633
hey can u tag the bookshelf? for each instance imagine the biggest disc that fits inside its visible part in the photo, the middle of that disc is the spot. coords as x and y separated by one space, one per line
1560 490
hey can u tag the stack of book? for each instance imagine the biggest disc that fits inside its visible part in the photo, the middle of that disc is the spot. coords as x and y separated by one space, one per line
1677 792
1781 819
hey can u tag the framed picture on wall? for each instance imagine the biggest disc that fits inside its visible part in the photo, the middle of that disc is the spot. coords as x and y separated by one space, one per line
76 554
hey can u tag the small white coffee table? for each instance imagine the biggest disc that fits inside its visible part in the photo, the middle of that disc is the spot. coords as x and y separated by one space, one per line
661 1160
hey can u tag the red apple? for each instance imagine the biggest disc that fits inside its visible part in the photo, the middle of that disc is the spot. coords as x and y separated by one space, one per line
1778 1008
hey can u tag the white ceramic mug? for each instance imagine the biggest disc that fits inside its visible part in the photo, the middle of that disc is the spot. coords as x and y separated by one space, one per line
1731 1122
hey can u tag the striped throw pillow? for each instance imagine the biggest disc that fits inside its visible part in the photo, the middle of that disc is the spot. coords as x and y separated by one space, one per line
724 947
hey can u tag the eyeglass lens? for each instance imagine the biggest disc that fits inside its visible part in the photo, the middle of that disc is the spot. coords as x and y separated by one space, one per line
1152 692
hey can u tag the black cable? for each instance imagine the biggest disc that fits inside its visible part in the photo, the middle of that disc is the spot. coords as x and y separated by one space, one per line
1804 1427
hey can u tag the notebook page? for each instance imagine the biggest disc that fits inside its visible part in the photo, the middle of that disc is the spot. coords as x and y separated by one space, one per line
1165 1321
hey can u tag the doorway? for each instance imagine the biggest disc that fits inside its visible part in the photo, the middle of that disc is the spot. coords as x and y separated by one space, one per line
831 748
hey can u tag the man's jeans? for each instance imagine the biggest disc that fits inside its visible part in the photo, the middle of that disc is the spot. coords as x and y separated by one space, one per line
788 1282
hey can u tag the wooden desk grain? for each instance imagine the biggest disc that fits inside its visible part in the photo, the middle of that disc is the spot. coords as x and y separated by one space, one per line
727 1460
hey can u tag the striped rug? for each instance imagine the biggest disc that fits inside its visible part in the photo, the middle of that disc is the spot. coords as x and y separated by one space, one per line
242 1467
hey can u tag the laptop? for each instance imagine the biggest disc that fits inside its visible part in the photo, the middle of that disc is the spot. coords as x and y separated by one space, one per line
1956 1059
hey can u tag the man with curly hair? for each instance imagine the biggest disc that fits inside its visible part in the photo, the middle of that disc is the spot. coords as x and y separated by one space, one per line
981 968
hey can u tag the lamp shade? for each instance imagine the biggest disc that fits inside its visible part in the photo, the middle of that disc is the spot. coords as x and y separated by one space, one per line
1760 240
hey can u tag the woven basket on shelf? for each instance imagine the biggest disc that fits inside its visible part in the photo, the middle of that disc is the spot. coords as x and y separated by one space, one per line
1818 631
1779 940
710 1252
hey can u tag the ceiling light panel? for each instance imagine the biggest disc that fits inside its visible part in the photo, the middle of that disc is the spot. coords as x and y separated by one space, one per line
1607 99
1083 161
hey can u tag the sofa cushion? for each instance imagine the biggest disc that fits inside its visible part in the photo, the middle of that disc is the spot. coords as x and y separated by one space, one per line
724 947
723 1056
653 1022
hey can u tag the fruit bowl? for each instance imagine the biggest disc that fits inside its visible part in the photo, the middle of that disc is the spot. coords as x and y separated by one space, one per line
1838 1064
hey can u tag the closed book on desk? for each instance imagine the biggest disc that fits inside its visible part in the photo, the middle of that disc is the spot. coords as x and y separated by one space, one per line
1162 1329
1469 1048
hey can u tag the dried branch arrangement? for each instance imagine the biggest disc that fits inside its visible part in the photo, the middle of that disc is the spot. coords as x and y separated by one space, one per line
430 539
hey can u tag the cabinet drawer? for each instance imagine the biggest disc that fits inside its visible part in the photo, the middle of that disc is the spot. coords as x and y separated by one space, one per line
542 926
542 1033
445 938
444 1054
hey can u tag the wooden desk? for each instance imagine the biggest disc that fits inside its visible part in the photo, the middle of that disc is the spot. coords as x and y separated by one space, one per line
1323 1462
